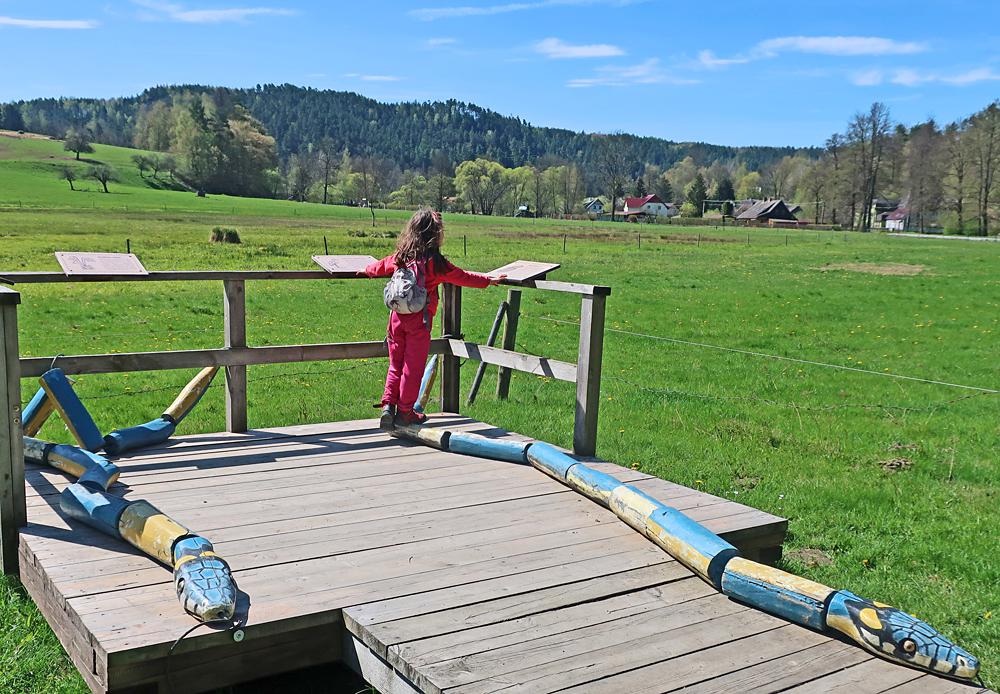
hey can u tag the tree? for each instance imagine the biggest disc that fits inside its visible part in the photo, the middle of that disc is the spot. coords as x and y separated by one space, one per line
168 163
613 167
866 135
142 163
663 189
724 191
300 175
10 117
924 172
103 174
68 174
483 183
328 160
957 167
697 194
639 188
77 141
983 134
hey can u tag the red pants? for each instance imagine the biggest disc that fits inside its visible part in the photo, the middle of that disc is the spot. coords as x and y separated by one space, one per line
409 344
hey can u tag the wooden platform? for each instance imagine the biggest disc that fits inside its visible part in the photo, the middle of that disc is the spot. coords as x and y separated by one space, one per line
424 571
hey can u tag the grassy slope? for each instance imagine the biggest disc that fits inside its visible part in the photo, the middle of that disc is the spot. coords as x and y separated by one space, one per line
802 441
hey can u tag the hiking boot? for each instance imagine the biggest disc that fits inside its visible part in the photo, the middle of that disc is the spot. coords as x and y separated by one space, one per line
385 420
411 417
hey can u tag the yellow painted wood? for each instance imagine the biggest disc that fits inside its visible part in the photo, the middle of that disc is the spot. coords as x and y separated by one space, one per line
142 525
187 398
632 507
782 579
44 412
678 549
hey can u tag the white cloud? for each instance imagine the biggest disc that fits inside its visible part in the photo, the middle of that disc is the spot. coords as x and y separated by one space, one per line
710 60
177 13
440 41
556 48
647 72
818 45
429 14
839 45
48 23
908 77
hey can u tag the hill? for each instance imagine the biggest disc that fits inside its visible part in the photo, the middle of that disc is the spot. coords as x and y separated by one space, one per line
410 133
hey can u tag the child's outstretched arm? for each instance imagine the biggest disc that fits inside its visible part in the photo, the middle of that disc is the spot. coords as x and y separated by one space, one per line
463 278
380 268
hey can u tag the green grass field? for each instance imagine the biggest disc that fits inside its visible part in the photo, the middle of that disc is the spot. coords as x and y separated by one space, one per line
890 485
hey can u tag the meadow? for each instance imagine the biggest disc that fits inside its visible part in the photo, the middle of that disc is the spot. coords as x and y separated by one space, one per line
890 485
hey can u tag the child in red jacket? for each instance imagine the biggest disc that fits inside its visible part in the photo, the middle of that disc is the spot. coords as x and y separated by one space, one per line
409 334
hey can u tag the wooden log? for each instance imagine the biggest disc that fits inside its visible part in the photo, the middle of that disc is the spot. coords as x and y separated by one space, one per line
509 340
199 358
567 287
490 341
13 513
236 336
588 374
451 374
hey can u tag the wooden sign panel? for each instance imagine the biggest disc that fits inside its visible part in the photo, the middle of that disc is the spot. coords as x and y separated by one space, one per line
343 265
100 264
524 270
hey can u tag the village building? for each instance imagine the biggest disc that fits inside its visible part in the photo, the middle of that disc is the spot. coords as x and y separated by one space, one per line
648 206
764 212
593 206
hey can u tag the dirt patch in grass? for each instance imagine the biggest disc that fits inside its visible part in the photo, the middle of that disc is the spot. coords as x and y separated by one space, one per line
810 557
24 136
896 464
896 269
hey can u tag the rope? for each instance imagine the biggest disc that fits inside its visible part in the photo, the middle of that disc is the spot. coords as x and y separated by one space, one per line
795 360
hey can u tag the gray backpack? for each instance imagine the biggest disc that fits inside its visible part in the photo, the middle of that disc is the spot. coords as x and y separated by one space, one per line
405 292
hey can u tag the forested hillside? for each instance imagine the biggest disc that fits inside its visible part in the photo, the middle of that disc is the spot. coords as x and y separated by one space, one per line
409 134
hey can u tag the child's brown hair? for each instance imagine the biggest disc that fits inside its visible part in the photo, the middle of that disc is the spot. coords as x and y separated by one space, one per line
421 240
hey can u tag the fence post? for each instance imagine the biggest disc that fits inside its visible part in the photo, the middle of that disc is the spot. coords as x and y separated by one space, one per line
490 341
588 372
13 513
451 374
236 336
509 340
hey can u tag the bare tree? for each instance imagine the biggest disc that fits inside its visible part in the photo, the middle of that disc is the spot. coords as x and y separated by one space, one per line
867 132
924 172
67 174
956 152
329 159
103 174
984 138
613 167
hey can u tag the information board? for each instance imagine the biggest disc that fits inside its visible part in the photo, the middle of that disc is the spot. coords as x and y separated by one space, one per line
524 270
343 265
100 264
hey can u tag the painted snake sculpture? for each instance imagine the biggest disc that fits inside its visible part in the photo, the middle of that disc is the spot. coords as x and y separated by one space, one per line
885 631
203 580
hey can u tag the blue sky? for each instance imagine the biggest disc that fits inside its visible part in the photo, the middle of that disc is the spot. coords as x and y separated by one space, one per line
723 72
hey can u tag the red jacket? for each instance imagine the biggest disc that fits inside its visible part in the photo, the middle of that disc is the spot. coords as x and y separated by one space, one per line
453 275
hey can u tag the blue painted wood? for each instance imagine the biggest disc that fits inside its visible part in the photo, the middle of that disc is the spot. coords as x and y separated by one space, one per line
592 483
550 460
93 507
716 551
98 470
473 444
426 382
65 399
149 434
766 596
36 412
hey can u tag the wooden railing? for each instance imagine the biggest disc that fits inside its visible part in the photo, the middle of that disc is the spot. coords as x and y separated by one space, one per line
236 355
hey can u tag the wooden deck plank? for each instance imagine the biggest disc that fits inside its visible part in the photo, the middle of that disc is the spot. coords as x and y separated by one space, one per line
874 674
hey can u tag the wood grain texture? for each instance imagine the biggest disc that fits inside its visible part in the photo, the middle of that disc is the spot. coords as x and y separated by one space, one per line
423 570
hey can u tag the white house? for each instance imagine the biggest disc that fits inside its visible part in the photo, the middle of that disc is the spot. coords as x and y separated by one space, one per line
651 206
593 206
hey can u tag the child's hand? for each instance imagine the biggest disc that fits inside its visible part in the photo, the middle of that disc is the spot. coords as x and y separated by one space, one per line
494 281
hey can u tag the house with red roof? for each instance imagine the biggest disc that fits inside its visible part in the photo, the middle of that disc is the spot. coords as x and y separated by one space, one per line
648 206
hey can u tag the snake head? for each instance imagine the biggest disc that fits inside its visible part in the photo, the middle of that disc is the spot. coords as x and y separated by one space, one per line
900 637
203 580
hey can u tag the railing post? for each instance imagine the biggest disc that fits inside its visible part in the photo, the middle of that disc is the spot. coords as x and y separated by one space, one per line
236 336
451 325
588 373
509 340
13 513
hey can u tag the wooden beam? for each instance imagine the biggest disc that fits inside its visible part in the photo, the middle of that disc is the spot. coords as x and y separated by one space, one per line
588 374
199 358
451 326
235 312
528 363
568 287
12 503
176 276
509 340
490 341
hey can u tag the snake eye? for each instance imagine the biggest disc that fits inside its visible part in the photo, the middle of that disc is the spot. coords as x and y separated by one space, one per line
909 646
